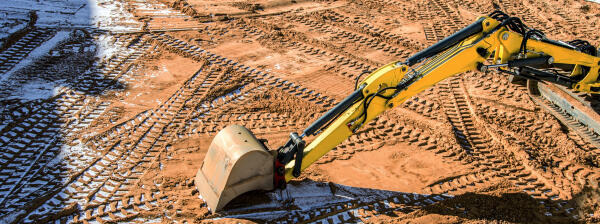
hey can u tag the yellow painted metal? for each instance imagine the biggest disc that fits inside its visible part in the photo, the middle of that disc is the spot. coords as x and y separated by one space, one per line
338 131
460 58
561 55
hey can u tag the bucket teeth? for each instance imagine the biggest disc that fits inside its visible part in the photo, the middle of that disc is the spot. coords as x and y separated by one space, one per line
236 162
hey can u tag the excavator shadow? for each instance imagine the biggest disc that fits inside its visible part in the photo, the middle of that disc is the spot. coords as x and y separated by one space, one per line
325 202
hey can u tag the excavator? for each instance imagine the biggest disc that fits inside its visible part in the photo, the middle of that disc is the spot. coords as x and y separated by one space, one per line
237 162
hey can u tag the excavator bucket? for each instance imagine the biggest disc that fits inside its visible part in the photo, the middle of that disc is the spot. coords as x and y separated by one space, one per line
236 162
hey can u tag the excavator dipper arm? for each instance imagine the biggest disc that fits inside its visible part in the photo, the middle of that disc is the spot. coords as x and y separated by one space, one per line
391 85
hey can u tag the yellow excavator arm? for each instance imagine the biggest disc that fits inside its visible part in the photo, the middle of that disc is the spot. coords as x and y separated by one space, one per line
497 41
391 85
396 82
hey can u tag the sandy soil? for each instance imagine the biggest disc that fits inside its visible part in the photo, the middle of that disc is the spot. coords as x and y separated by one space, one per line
102 125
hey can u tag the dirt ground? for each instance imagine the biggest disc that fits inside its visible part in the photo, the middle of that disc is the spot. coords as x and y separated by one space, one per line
112 126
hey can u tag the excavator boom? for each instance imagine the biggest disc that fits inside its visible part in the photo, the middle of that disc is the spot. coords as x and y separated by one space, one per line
237 162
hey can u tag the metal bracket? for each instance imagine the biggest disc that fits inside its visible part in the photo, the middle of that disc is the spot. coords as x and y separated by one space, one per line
299 148
293 149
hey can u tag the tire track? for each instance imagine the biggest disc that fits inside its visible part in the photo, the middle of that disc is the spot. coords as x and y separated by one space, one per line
357 212
38 182
133 148
368 42
21 48
342 20
476 144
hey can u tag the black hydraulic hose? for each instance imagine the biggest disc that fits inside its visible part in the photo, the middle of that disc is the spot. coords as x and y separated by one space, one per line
370 98
332 120
358 78
584 46
498 15
333 112
446 43
527 36
515 24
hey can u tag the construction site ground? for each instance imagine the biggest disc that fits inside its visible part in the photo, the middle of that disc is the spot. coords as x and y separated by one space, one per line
107 109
